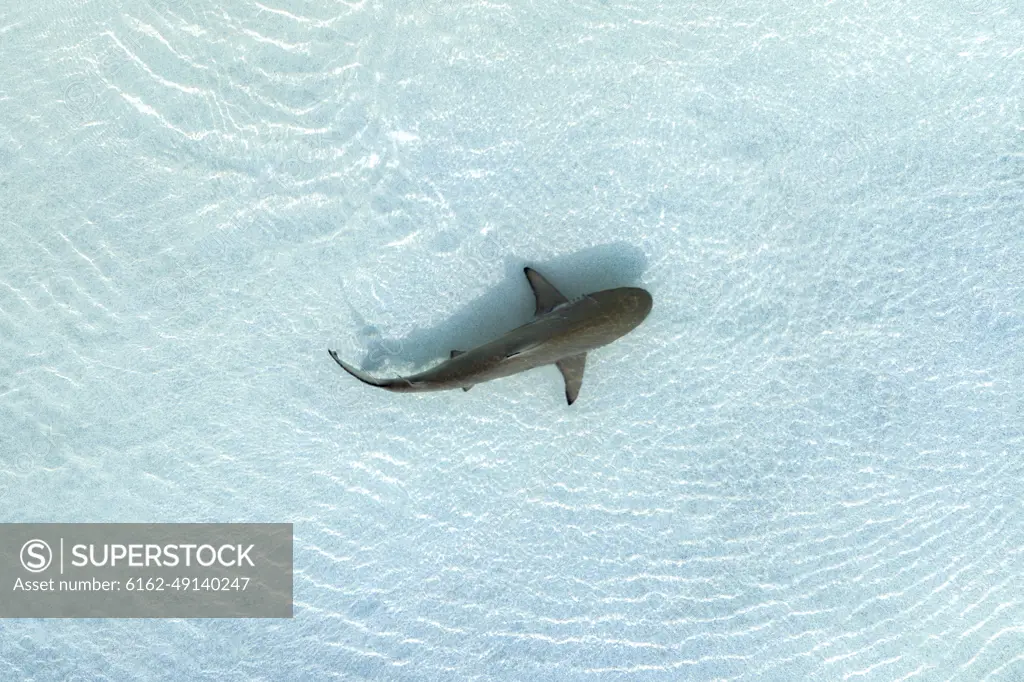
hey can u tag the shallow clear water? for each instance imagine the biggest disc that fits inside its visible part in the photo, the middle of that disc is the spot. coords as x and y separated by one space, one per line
805 465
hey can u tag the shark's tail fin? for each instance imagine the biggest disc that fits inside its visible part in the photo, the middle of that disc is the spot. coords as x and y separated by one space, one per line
363 377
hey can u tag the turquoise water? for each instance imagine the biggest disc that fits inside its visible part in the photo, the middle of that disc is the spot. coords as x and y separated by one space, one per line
805 465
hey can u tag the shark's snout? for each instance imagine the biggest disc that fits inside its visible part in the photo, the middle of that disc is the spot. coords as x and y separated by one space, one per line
641 302
631 304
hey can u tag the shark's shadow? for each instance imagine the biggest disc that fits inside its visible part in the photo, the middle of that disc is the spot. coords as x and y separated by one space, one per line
503 308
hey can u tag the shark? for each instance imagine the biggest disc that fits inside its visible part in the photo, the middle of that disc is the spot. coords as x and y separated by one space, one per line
561 333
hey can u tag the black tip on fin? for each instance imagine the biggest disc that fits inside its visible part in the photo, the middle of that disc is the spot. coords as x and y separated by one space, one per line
456 353
572 371
466 388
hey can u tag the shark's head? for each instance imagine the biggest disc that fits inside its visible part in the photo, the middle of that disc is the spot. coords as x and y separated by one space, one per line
629 304
607 315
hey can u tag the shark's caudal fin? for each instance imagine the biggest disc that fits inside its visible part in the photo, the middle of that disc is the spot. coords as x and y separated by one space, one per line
572 372
365 378
547 295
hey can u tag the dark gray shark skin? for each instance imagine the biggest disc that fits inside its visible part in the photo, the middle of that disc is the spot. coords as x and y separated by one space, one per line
561 333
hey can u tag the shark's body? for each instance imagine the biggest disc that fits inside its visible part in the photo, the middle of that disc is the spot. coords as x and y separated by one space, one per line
562 333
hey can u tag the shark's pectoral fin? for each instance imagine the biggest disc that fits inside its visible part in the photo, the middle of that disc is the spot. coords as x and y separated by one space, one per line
456 353
547 295
572 372
466 388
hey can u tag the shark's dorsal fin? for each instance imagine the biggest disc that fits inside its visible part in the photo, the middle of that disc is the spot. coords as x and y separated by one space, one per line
547 295
466 388
572 371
